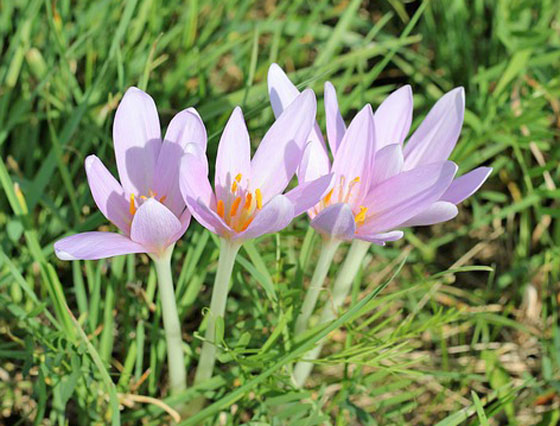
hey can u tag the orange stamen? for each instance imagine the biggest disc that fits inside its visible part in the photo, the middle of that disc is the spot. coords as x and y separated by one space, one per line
238 177
259 198
327 197
132 206
248 201
220 208
163 198
234 186
246 225
234 207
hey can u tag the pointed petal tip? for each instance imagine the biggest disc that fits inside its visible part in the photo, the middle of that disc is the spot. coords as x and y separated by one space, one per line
90 159
61 254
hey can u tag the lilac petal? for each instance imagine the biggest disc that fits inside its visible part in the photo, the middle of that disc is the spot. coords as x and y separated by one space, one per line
108 194
185 132
274 216
381 238
465 186
356 152
281 149
440 211
306 195
95 245
393 118
335 123
234 155
193 179
336 221
388 163
282 92
185 219
137 138
437 135
154 226
405 195
208 217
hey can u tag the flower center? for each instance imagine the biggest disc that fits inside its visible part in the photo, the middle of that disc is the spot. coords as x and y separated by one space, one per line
239 206
134 203
344 191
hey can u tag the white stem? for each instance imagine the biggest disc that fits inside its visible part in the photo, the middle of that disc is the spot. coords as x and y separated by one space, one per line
341 288
171 325
228 251
328 250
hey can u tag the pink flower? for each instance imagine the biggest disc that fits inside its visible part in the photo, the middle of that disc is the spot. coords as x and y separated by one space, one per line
247 199
379 186
146 205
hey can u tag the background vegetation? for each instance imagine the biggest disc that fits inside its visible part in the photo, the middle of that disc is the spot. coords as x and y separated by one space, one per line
448 339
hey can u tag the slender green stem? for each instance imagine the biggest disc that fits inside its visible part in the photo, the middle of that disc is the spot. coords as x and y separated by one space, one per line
171 325
328 250
228 251
341 287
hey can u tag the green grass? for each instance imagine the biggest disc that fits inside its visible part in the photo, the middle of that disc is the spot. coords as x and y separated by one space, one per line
445 340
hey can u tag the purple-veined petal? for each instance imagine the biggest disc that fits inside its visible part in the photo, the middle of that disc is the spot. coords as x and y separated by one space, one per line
336 221
185 132
154 226
282 92
306 195
405 195
393 118
234 155
465 186
381 238
95 245
108 194
437 135
388 163
193 179
137 138
274 216
440 211
281 149
335 123
355 155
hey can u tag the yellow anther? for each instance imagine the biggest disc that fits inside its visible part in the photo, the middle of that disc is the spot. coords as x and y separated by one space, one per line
132 206
163 198
220 208
234 186
238 177
143 197
355 180
361 216
258 196
234 207
248 201
327 197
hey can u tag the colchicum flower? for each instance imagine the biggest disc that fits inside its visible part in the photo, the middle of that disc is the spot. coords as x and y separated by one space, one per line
248 200
147 208
378 185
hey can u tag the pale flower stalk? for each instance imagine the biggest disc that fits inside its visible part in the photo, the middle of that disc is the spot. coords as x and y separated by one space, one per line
146 205
378 185
248 200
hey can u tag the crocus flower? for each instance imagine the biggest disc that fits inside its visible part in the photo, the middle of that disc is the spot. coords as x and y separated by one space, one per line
379 186
247 201
146 206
